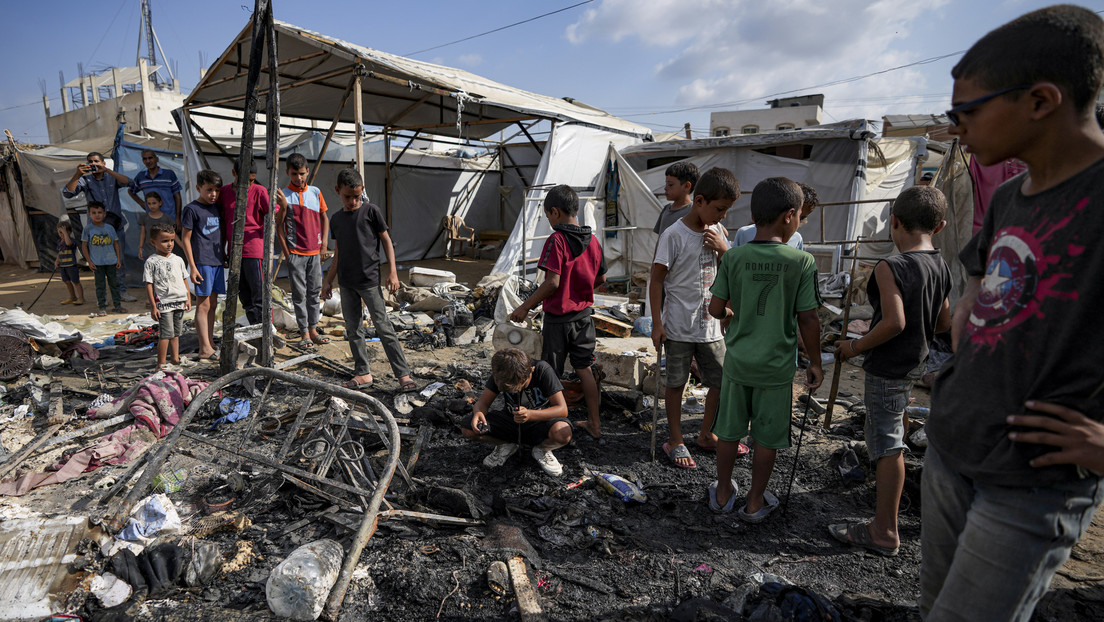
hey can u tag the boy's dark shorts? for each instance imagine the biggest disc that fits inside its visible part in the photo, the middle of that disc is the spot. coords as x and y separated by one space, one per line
569 340
503 427
70 274
171 324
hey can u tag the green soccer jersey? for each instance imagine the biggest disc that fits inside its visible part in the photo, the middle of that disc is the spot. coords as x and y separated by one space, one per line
768 284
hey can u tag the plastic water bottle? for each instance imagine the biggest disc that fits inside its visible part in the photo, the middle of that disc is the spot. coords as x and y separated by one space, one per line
299 585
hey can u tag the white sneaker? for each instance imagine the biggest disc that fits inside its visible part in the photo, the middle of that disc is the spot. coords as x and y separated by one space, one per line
126 297
500 455
185 363
547 461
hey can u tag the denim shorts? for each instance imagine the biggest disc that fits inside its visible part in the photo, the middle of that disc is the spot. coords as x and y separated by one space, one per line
710 358
886 399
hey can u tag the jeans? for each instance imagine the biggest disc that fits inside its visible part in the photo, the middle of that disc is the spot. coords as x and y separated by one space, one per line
886 400
351 311
251 289
989 552
108 274
305 274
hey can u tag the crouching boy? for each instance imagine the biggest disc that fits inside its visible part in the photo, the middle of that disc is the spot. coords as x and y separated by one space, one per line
535 411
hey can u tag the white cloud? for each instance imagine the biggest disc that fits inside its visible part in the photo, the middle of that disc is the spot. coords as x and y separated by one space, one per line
470 60
744 50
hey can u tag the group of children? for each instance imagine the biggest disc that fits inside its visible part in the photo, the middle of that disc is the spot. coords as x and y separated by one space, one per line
1013 471
1006 495
203 231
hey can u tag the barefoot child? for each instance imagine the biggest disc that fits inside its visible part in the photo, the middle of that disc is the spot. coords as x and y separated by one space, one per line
573 266
166 280
683 271
66 263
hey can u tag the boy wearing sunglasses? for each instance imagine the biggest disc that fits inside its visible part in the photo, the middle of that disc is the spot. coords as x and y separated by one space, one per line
1012 475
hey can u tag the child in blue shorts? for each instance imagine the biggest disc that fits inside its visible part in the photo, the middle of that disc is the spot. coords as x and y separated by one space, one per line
202 237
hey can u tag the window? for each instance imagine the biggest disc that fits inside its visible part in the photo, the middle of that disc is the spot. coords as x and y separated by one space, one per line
785 126
749 129
720 131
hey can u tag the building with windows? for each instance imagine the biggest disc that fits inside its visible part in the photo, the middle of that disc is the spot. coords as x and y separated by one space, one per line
784 114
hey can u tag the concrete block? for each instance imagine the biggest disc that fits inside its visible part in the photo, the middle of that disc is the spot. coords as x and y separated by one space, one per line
623 370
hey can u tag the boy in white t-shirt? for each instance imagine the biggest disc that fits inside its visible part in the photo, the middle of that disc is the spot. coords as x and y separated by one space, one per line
682 273
166 278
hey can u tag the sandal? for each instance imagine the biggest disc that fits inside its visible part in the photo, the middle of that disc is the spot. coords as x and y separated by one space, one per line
408 387
100 313
679 452
320 340
306 344
355 386
770 503
715 506
858 534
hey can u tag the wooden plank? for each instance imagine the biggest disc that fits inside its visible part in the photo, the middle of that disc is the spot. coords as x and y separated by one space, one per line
528 603
611 327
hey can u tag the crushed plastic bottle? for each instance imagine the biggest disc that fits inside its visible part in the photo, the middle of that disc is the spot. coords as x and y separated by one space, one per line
299 585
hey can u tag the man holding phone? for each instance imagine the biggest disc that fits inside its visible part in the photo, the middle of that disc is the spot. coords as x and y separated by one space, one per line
99 183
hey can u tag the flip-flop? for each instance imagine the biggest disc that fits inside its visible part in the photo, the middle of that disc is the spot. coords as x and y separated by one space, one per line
679 452
858 534
714 505
306 344
408 387
770 504
320 341
349 384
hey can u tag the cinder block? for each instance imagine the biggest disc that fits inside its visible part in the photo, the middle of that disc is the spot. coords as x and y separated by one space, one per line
621 370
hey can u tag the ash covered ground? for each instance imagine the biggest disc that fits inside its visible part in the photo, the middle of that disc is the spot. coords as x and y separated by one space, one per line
590 555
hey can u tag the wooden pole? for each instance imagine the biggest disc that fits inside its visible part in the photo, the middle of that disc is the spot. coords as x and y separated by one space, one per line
358 118
272 159
843 334
245 158
387 175
333 126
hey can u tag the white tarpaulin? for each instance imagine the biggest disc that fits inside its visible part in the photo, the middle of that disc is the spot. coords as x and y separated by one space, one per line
575 155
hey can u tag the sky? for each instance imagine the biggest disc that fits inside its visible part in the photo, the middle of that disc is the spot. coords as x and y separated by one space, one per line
659 63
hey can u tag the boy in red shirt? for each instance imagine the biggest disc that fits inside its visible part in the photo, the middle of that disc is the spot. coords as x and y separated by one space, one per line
304 231
573 265
251 285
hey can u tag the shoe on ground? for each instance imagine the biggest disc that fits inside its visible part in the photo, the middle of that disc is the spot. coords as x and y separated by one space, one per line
118 310
126 297
500 455
168 367
185 362
770 503
547 461
68 301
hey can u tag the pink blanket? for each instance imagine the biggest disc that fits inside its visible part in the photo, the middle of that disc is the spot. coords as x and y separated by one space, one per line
156 403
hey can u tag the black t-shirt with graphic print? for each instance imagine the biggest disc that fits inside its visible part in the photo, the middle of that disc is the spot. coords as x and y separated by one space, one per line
1034 332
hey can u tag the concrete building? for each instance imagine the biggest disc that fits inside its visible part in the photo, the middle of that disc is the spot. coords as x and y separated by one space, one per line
784 114
91 104
934 126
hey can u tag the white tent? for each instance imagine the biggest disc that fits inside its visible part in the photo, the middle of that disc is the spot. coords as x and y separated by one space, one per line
845 162
349 86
